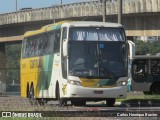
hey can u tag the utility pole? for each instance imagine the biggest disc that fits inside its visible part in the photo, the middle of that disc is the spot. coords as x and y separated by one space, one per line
104 10
120 11
61 2
16 5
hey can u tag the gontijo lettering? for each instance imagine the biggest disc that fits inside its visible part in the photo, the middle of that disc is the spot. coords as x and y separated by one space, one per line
36 63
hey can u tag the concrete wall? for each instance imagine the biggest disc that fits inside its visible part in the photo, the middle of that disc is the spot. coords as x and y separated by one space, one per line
2 69
79 10
140 17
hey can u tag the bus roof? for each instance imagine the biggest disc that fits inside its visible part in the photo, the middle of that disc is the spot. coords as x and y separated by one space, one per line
71 24
45 29
146 57
91 24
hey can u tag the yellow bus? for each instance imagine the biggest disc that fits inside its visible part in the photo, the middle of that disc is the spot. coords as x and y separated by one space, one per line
75 61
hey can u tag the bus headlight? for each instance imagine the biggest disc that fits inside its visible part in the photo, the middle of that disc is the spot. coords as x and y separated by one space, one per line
121 83
73 82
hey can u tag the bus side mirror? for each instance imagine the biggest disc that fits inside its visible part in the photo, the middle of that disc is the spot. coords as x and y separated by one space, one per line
65 47
131 49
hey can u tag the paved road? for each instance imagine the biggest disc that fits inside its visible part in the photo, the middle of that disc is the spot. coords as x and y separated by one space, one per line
92 109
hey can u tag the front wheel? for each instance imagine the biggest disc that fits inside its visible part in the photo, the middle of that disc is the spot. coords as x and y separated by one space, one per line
147 93
61 101
27 91
41 101
110 102
155 89
31 95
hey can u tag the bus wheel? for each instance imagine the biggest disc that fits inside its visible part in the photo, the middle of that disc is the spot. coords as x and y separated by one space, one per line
41 101
155 89
27 91
110 102
147 93
78 102
31 95
61 101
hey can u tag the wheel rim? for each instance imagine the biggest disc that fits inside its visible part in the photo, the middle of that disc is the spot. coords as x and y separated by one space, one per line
61 101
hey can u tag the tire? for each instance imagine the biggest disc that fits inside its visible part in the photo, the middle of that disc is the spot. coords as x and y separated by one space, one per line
31 96
27 91
61 101
110 102
147 93
78 102
41 101
155 89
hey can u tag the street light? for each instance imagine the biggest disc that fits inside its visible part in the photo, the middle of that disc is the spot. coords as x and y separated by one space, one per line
61 2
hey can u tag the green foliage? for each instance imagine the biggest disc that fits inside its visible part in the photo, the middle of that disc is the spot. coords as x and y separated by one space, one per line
150 47
12 59
12 53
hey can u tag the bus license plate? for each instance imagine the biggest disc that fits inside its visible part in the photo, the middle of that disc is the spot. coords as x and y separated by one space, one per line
98 92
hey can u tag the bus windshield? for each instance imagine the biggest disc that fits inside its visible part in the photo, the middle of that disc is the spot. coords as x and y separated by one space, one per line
97 34
97 52
97 60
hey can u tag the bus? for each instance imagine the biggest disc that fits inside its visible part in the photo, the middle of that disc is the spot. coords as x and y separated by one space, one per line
145 71
75 61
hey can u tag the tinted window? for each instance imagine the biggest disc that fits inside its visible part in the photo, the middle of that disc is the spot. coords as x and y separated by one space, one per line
97 34
57 42
41 44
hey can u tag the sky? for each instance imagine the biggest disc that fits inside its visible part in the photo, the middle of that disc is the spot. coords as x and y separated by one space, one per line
10 5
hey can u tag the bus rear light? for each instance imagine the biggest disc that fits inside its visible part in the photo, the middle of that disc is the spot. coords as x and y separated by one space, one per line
73 82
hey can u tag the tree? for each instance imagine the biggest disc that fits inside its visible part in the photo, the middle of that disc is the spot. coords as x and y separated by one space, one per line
149 47
12 53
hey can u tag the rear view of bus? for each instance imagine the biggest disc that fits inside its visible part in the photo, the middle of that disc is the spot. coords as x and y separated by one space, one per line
89 63
94 57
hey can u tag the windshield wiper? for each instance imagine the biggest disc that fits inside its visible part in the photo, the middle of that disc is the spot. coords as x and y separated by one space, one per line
107 72
75 65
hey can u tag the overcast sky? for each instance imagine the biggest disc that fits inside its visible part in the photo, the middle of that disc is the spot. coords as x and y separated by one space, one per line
10 5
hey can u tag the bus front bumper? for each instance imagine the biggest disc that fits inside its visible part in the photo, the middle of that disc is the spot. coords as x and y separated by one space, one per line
74 91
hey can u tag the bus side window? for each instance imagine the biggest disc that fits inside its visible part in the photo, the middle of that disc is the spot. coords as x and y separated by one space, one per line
29 45
50 42
57 42
33 46
36 53
27 49
24 53
44 44
40 45
64 59
155 66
